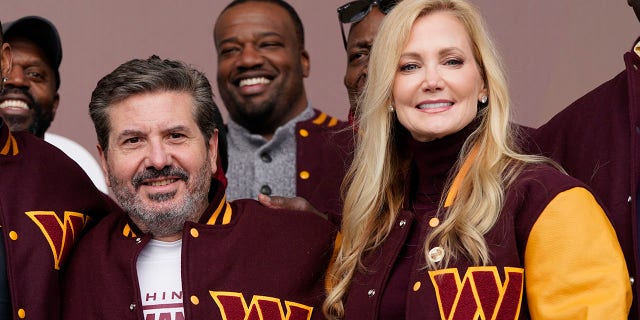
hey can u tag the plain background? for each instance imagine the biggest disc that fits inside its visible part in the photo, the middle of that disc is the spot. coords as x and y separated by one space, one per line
554 51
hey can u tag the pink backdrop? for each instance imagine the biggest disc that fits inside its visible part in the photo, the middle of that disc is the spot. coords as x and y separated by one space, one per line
554 51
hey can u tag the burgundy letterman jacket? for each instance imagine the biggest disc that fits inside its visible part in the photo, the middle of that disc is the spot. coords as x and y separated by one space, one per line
597 140
46 201
240 261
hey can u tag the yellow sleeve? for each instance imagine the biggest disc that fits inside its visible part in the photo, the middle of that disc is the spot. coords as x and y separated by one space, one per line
574 267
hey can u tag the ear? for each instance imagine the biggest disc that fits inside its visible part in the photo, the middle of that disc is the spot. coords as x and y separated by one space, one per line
306 63
5 59
54 107
103 165
213 152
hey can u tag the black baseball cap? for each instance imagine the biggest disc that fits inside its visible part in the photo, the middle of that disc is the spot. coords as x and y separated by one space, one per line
41 32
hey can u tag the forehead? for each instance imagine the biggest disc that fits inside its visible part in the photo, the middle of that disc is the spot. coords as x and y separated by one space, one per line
367 28
439 29
254 18
152 110
25 48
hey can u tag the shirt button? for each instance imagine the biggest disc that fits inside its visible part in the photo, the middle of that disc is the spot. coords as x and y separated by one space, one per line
22 313
304 175
13 235
371 293
434 222
629 199
416 286
304 133
402 223
194 232
132 306
138 240
265 190
194 300
632 280
265 157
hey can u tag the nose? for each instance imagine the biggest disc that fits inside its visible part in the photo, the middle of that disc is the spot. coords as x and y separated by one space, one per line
16 77
158 156
250 57
432 79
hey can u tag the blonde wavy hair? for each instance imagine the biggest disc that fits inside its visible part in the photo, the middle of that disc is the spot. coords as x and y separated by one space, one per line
375 182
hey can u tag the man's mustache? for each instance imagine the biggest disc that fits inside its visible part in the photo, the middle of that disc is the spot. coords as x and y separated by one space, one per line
153 173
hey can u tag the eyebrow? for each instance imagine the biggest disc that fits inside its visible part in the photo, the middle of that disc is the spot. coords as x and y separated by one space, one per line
441 52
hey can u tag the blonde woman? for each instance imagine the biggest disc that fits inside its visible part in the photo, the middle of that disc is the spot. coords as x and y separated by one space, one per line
443 218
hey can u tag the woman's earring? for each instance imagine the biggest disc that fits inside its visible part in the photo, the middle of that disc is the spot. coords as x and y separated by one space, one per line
484 99
390 108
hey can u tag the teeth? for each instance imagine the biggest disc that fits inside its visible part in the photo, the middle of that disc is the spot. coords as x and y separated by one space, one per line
434 105
254 81
162 182
14 104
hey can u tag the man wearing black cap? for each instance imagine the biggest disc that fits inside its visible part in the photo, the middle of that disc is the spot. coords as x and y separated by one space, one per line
30 99
46 201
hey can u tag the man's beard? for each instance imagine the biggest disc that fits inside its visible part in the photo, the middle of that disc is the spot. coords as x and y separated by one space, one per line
40 121
170 220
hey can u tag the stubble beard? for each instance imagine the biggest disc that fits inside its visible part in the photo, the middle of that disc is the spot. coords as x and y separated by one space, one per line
166 220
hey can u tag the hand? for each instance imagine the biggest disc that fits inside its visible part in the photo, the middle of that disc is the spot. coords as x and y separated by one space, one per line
293 203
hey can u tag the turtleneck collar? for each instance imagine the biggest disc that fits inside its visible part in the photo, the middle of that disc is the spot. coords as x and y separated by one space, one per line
431 165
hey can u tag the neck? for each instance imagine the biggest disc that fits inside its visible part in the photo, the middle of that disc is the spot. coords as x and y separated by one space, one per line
170 238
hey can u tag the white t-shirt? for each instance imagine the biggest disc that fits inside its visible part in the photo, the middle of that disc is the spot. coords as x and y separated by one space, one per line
81 156
160 280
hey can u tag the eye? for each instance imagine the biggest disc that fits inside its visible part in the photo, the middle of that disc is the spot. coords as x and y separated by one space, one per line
359 57
225 51
176 135
409 67
35 76
453 62
270 44
132 140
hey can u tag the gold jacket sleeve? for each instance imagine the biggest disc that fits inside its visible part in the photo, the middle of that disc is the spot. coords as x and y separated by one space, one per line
574 267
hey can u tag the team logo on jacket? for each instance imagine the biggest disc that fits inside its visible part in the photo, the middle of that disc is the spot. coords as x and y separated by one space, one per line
60 234
233 307
480 295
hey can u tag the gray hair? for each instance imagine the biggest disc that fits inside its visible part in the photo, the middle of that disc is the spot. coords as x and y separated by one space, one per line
152 75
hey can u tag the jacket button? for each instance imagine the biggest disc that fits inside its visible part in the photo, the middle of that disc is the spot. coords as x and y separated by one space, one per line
194 300
138 240
402 223
132 306
434 222
265 190
371 293
194 232
416 286
13 235
21 313
265 157
304 175
304 133
632 280
436 254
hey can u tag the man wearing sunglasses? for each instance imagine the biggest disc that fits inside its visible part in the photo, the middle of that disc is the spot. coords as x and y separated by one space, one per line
278 143
365 17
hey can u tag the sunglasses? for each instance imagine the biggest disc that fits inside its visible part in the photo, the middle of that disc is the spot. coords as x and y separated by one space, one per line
355 11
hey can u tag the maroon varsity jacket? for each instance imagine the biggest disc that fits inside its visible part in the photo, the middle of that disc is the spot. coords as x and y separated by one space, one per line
46 200
596 139
240 261
324 147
